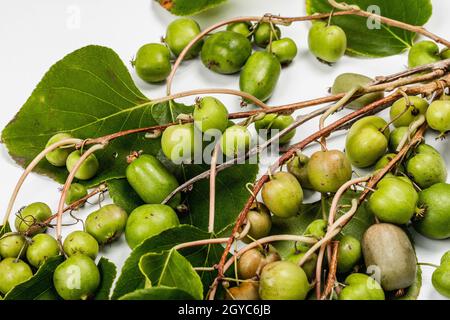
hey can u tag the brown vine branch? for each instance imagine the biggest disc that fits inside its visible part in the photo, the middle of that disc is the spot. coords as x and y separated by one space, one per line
432 75
332 271
437 71
381 173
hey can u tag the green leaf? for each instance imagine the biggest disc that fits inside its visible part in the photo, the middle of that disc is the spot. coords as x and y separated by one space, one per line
132 279
5 229
362 220
383 41
89 93
158 293
124 195
188 7
108 273
40 286
169 268
168 111
231 195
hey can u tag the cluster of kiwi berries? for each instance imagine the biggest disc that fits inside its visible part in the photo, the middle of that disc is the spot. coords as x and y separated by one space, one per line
29 243
230 51
415 193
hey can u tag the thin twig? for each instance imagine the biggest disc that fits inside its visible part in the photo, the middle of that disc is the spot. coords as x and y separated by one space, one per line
30 168
212 188
338 195
333 109
200 243
100 189
67 184
318 275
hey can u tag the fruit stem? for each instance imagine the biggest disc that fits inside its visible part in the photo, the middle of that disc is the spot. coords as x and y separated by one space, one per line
427 264
407 105
66 187
204 268
419 213
133 156
411 129
348 95
30 168
330 17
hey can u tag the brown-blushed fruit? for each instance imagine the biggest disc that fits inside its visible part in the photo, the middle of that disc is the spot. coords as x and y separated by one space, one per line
388 251
283 195
328 170
251 263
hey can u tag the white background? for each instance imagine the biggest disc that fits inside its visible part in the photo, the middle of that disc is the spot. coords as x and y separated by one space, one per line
35 34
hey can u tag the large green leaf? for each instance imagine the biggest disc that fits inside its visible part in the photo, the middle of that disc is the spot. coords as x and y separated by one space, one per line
108 273
231 195
158 293
40 286
169 111
89 93
5 229
124 195
362 220
383 41
169 268
188 7
131 278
